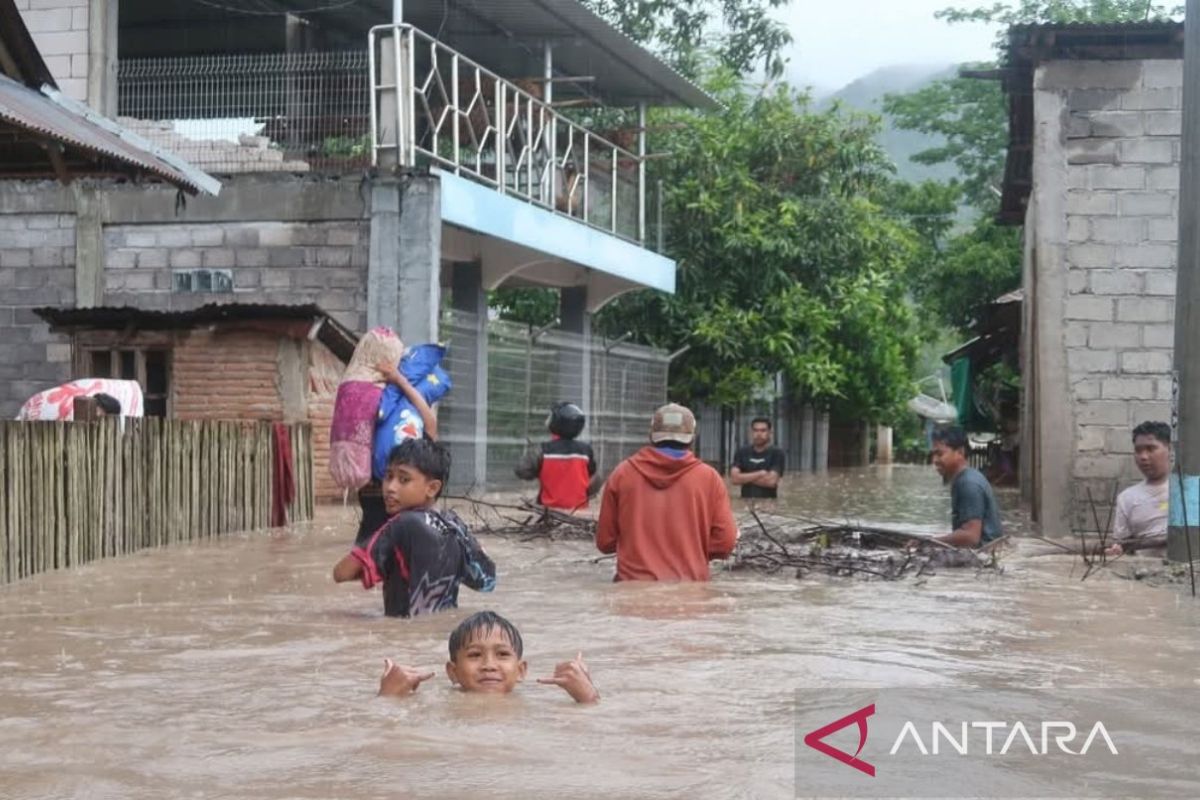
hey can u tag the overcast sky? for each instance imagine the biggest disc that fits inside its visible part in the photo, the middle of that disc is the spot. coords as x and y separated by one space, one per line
840 40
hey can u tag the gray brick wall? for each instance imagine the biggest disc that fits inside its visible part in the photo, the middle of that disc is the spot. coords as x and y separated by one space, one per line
37 260
271 262
60 30
1122 150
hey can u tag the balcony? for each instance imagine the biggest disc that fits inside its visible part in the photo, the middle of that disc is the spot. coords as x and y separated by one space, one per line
431 106
252 112
338 112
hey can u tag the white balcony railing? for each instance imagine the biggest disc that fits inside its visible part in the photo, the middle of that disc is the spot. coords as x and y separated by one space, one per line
432 105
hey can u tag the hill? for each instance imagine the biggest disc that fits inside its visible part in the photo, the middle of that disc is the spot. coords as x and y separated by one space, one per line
866 94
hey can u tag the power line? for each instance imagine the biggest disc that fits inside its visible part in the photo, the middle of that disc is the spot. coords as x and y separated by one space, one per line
263 11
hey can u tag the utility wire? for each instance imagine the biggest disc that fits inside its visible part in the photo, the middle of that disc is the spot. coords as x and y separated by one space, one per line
263 11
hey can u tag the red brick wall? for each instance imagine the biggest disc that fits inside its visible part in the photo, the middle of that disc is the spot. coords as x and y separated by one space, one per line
233 374
226 375
324 372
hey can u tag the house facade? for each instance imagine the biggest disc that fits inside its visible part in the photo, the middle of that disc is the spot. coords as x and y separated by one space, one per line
1093 176
391 171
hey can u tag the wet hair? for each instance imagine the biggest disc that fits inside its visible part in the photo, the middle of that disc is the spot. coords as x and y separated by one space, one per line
761 421
108 404
953 437
430 458
1159 430
482 623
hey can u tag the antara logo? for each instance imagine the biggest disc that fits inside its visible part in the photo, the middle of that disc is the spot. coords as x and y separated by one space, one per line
1013 736
814 739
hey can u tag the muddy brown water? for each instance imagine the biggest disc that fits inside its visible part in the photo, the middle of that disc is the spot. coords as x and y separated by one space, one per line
235 668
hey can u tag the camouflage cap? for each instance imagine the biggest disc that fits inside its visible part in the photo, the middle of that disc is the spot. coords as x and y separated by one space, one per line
673 423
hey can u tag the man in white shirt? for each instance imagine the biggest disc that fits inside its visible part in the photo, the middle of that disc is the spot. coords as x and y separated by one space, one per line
1140 524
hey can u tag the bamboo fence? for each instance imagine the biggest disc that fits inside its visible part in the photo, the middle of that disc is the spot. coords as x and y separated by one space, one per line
74 492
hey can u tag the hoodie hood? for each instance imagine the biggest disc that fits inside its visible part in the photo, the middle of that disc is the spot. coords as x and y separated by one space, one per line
660 470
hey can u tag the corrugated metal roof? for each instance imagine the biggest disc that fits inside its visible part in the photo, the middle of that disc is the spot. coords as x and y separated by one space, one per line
51 115
15 37
1030 45
506 36
334 335
1135 26
624 70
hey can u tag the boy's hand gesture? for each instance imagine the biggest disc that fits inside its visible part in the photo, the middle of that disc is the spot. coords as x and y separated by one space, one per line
574 677
398 681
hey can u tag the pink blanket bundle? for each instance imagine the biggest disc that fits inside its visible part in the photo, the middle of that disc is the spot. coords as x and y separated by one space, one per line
356 407
59 403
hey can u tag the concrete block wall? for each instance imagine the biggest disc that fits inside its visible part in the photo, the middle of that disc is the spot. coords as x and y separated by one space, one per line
37 260
271 262
1120 139
60 30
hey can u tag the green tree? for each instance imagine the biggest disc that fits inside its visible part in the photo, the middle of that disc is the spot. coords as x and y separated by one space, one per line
740 34
536 307
787 263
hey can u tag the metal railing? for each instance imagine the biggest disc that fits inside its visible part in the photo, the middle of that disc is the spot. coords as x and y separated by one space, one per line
441 108
252 112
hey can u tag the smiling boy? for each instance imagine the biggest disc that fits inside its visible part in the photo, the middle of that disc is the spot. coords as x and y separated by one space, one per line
487 656
420 555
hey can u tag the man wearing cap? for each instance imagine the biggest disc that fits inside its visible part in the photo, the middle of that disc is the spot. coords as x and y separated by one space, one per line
664 512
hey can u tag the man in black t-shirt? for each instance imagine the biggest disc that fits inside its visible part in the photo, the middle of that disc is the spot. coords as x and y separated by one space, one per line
758 467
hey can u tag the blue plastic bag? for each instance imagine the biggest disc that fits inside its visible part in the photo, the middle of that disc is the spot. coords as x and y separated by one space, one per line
398 418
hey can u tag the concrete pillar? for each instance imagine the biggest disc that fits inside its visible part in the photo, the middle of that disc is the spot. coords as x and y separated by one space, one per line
808 427
102 56
467 422
1055 410
576 366
299 100
821 442
883 445
404 265
89 246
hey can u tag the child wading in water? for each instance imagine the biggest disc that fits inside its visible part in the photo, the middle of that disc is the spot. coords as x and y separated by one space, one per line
486 655
421 555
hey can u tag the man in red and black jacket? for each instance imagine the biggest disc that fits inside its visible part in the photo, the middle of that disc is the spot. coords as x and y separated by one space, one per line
564 466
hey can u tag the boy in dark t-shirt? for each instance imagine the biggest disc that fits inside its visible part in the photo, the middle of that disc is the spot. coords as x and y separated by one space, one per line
974 515
758 467
420 554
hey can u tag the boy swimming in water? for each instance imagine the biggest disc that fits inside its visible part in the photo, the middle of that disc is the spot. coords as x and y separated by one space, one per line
420 555
486 655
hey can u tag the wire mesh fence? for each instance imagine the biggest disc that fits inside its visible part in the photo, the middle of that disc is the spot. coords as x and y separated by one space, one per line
527 371
265 112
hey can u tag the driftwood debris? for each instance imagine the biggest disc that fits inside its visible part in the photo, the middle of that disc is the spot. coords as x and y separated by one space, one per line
769 543
526 520
773 543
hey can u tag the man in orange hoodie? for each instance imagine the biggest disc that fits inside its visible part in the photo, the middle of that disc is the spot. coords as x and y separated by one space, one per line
664 512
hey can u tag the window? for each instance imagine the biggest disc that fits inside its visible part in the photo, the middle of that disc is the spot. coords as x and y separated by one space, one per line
150 367
217 281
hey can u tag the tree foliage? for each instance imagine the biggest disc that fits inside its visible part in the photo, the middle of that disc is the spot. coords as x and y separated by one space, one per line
970 268
786 261
536 307
740 34
1029 12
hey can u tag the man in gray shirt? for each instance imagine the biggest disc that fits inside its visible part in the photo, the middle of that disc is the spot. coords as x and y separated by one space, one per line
975 517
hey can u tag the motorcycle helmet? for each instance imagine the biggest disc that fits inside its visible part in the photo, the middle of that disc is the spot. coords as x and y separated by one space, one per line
566 420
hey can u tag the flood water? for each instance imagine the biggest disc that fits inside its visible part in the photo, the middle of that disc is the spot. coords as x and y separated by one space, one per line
236 668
